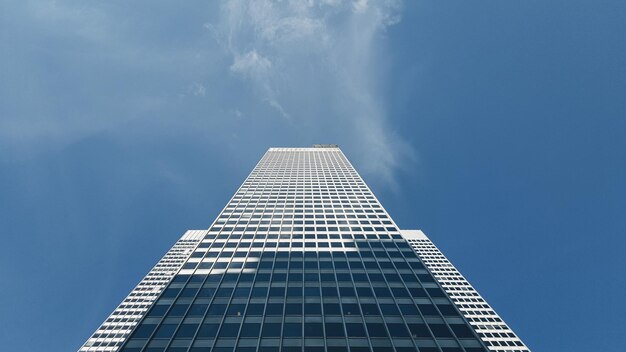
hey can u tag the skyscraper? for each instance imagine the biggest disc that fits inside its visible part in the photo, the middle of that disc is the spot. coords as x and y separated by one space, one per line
302 258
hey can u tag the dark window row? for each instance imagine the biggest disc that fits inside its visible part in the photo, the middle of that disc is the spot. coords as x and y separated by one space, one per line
299 329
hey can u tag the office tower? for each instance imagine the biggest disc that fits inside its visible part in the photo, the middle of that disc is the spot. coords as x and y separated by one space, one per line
302 258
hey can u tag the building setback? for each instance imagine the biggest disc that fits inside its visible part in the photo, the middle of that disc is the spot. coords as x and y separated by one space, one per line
303 258
484 319
116 328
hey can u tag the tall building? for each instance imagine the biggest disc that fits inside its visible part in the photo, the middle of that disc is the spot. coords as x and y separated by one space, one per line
303 258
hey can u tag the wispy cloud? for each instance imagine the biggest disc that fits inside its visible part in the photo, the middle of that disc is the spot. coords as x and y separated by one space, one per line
251 65
87 68
301 55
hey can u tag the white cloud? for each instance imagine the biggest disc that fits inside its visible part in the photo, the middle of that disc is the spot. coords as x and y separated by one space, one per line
251 65
300 56
92 68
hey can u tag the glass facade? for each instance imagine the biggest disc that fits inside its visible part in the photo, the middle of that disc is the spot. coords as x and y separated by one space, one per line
303 258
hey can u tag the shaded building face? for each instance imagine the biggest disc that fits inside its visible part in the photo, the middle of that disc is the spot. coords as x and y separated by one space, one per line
302 258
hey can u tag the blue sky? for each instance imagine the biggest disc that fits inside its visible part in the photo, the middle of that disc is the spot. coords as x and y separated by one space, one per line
497 127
